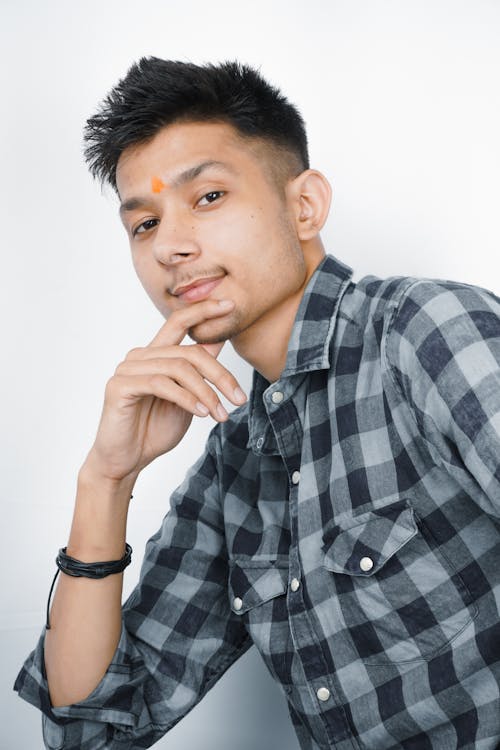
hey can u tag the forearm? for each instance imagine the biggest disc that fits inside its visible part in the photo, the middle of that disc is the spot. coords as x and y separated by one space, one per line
85 617
149 404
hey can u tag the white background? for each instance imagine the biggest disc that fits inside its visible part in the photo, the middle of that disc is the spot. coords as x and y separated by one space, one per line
401 100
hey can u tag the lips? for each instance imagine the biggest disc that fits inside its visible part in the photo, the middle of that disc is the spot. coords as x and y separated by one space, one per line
198 289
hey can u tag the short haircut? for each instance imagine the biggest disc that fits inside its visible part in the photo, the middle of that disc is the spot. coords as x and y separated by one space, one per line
156 93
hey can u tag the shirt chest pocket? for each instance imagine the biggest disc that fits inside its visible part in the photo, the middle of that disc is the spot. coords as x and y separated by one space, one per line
257 593
399 596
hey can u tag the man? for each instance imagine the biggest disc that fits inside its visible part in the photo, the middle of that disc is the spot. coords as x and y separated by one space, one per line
344 519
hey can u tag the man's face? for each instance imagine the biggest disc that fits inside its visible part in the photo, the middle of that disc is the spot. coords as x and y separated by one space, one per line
225 222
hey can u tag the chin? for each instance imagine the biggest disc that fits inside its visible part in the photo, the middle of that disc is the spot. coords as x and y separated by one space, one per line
216 337
217 330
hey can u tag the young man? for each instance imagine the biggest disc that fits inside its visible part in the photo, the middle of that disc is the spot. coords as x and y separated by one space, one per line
344 519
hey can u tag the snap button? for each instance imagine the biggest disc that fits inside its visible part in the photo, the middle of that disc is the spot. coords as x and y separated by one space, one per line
296 477
366 564
294 584
260 442
277 397
237 603
323 694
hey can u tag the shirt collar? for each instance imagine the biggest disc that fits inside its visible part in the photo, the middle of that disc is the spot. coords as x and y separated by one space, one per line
308 346
309 343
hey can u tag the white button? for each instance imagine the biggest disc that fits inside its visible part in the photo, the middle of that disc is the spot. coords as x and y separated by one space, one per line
260 442
366 564
294 584
323 694
296 477
277 397
237 603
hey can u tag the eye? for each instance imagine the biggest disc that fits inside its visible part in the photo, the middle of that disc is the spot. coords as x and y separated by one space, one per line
210 196
144 227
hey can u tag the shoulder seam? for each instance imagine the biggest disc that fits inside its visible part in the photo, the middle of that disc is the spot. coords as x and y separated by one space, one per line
412 282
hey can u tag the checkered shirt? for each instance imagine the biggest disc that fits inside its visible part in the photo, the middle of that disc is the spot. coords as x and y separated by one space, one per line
346 521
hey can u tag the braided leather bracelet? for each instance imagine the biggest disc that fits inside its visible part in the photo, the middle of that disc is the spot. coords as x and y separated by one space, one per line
77 568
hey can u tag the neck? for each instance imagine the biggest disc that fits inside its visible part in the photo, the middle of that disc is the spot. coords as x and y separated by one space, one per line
265 344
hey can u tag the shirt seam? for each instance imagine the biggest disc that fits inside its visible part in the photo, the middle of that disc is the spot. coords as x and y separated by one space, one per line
390 367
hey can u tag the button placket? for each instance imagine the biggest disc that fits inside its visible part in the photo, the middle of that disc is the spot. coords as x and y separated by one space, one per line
289 441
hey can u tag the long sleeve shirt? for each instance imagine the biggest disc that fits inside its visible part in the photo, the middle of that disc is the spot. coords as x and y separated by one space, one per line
345 521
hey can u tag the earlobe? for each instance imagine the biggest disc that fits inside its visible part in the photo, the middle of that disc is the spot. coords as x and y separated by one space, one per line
311 195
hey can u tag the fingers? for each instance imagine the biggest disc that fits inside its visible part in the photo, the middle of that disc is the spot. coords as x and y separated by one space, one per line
178 373
213 349
190 367
162 387
180 321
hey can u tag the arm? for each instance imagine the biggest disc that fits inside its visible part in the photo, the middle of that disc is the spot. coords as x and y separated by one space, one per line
178 634
148 407
443 350
86 614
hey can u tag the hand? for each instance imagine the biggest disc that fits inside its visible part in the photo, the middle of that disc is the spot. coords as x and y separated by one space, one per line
150 400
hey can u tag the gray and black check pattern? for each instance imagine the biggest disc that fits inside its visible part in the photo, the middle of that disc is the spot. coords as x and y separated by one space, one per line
390 411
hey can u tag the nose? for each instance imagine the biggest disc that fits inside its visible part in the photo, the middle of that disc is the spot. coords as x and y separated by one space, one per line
174 241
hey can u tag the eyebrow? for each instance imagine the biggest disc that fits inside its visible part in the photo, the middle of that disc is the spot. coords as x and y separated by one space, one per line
181 179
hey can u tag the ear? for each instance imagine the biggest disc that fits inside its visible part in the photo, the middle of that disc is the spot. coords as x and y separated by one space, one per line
309 196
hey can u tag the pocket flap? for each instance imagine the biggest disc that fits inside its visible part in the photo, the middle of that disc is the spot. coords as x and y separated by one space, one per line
254 582
361 545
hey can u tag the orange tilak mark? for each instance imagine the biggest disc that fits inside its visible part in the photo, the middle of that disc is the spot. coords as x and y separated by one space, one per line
157 185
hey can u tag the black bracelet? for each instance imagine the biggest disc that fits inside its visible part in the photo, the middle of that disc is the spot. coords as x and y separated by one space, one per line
77 568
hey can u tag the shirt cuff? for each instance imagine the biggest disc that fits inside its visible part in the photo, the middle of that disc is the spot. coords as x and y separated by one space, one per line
116 700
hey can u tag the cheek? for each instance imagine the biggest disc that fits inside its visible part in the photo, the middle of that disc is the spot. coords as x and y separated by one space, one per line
246 227
142 263
144 273
137 262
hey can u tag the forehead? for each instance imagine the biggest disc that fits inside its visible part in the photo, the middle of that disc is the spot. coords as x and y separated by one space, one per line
179 146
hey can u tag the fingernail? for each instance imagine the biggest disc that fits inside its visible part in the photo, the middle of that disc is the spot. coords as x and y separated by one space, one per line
239 395
221 412
202 409
226 303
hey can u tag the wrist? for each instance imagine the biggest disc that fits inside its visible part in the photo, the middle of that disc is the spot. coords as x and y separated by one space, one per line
91 478
99 526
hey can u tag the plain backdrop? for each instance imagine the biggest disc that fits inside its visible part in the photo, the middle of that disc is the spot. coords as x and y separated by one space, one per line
402 105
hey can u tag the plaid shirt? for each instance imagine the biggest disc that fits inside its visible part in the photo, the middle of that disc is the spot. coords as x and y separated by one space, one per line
345 520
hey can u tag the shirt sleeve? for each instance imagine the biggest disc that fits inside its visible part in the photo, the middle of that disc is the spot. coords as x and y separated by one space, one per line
443 349
178 634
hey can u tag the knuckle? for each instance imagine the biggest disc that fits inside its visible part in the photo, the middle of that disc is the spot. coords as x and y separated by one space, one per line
134 353
181 364
120 367
227 380
157 380
198 350
192 360
111 386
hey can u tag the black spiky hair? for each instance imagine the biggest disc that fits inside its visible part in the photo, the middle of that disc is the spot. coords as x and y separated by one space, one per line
156 93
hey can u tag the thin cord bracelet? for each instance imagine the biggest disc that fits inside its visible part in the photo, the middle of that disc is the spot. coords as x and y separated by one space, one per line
77 568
